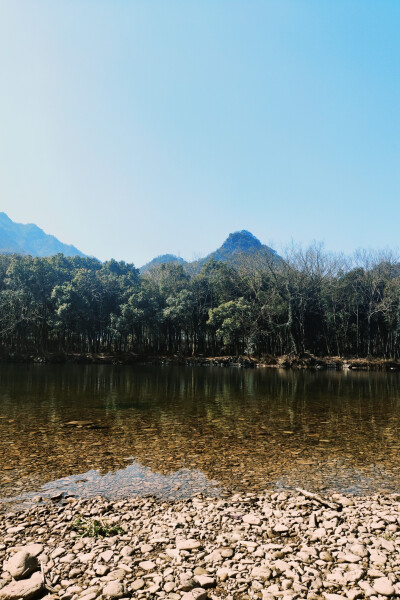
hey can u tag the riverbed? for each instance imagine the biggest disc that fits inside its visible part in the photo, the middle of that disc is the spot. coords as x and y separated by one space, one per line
173 432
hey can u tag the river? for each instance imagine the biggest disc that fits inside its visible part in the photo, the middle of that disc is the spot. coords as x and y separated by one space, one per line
176 431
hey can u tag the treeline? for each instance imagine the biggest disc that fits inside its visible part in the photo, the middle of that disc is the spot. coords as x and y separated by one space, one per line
307 302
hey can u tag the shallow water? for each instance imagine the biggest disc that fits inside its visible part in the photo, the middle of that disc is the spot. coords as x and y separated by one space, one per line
175 431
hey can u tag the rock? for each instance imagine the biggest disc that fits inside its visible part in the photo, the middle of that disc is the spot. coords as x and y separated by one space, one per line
106 556
195 594
343 557
222 574
188 544
173 553
200 571
186 584
23 590
377 558
326 556
114 589
127 551
262 573
138 584
354 594
101 570
359 550
280 528
22 564
57 552
252 520
367 589
349 557
147 565
318 534
87 557
383 586
346 501
34 549
204 582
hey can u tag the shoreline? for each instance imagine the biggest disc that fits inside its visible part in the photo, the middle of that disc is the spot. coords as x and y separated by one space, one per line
287 361
266 546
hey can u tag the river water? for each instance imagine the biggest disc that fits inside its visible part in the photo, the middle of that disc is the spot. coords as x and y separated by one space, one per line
176 431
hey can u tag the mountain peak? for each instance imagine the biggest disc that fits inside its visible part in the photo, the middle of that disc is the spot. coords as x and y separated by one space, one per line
241 241
236 245
4 218
30 239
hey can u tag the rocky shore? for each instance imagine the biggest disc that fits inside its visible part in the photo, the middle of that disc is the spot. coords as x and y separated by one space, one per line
275 545
287 361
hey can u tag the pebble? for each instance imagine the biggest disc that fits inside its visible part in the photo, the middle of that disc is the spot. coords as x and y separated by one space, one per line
204 582
114 589
138 584
383 586
271 546
188 544
195 594
147 565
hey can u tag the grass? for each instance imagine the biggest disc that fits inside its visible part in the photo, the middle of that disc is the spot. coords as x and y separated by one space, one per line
95 528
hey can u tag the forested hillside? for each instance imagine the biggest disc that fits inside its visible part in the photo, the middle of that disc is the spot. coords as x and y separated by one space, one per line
307 301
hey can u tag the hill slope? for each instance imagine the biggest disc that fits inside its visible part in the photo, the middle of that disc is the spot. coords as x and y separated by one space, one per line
30 239
237 246
161 260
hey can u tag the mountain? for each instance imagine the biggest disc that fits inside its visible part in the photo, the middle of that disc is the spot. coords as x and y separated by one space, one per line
161 260
30 239
237 246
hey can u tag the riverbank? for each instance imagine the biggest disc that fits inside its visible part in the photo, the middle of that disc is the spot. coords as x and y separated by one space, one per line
266 546
286 361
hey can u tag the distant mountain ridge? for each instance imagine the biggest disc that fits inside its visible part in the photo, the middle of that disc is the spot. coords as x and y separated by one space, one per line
30 239
162 260
236 246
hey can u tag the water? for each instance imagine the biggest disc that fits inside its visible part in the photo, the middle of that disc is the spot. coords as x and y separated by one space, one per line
176 431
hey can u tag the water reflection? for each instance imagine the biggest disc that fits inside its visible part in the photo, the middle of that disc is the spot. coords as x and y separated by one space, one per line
243 428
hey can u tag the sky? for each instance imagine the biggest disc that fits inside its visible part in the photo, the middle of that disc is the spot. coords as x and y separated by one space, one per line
133 128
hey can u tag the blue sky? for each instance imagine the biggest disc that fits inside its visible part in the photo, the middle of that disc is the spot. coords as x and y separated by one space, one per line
136 128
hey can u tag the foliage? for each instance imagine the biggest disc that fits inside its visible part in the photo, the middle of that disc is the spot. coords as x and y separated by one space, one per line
96 528
309 301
